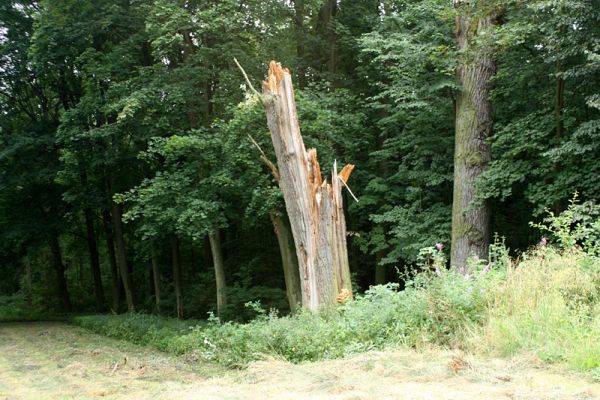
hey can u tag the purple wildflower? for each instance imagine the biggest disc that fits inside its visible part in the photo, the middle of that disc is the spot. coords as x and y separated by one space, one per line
486 269
543 241
439 246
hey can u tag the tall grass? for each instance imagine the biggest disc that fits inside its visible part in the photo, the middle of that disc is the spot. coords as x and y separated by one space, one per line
549 305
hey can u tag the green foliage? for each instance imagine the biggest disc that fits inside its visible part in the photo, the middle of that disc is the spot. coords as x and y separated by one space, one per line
140 102
548 305
409 68
431 310
15 308
160 332
579 224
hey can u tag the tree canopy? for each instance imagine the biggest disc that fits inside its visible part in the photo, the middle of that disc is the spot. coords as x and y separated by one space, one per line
130 143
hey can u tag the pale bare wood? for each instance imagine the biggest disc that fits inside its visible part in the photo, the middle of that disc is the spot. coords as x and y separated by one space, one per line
314 206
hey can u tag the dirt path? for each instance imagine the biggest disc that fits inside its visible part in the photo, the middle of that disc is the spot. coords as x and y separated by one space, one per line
56 361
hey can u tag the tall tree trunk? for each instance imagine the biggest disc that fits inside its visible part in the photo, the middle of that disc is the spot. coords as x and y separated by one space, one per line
156 279
121 255
300 40
114 269
314 207
380 278
558 109
326 28
94 260
176 274
217 256
59 268
470 221
28 281
193 262
291 271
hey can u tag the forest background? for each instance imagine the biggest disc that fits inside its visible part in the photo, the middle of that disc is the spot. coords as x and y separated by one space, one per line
128 180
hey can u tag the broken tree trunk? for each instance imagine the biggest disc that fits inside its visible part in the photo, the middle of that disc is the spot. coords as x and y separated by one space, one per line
314 206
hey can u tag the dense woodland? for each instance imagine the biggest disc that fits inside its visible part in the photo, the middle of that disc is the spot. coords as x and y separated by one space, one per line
129 179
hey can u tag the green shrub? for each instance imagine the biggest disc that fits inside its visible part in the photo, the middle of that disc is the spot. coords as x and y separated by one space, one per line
143 329
15 309
438 309
547 304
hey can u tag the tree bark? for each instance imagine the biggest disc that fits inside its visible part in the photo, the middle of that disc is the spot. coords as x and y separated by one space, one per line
470 221
380 270
326 28
217 256
114 269
28 282
289 260
59 268
558 110
176 275
121 255
94 260
314 207
300 40
156 279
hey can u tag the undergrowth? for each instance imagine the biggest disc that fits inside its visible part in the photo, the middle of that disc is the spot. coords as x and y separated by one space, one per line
16 309
547 303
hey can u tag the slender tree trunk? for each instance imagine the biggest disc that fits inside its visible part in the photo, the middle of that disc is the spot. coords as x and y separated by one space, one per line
314 207
114 269
28 282
121 255
217 256
300 40
176 274
380 278
470 221
156 279
94 260
559 104
193 258
326 27
291 271
79 265
59 268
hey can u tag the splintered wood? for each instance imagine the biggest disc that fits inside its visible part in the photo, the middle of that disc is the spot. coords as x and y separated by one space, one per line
314 206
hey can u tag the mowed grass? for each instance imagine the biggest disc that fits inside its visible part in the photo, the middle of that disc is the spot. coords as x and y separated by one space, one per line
546 305
50 361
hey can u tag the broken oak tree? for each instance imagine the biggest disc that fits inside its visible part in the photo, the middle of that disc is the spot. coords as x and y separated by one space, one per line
314 206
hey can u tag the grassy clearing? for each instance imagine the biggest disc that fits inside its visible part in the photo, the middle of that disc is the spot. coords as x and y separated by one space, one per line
40 361
547 305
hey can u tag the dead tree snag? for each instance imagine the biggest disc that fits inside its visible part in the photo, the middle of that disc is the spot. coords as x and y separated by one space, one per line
314 206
